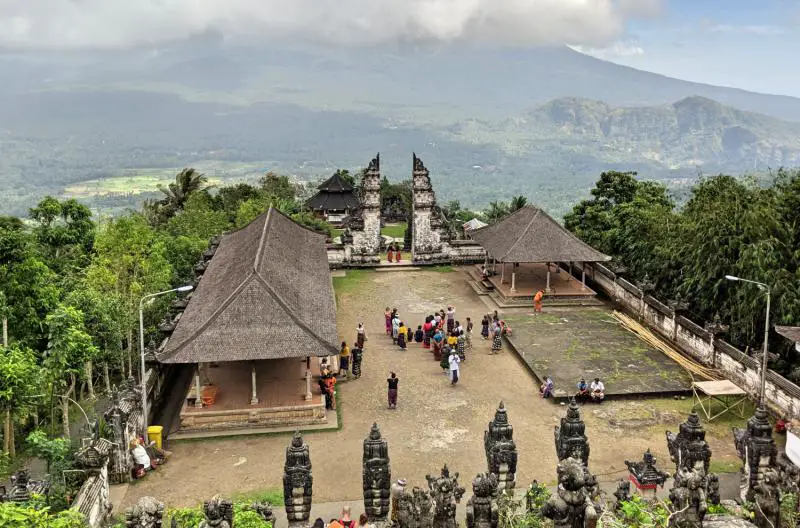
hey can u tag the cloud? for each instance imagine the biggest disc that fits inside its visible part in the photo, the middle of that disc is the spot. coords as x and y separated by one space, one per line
94 24
616 50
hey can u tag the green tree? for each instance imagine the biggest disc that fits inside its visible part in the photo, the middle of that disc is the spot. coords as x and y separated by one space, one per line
187 182
65 232
496 211
517 203
278 187
19 379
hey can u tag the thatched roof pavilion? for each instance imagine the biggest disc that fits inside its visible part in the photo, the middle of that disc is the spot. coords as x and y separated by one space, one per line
335 200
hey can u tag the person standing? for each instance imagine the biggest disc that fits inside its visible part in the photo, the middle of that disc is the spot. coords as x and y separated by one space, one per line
461 346
537 301
451 319
346 521
444 360
401 336
397 490
454 370
395 327
468 334
392 381
361 335
388 314
497 339
427 330
398 255
344 360
390 254
485 327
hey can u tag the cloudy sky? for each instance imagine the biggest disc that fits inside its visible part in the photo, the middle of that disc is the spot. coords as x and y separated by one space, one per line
740 43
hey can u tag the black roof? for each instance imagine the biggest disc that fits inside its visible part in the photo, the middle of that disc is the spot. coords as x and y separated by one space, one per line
333 201
335 184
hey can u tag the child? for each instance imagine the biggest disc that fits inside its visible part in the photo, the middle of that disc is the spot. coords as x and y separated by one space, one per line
409 334
419 335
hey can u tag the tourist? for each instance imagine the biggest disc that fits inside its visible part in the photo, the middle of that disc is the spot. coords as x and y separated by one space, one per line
409 334
459 328
361 335
346 521
323 389
363 521
427 330
398 255
583 389
468 334
444 360
442 318
452 339
344 360
397 490
451 318
330 387
392 381
598 390
537 301
546 390
388 314
461 346
497 340
390 254
334 524
437 320
484 273
141 460
401 335
454 370
485 327
419 335
395 327
356 355
319 523
438 341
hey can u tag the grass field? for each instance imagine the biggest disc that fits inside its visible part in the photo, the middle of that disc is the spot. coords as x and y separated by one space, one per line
394 230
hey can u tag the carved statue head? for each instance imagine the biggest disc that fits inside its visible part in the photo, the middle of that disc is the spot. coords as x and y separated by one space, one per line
375 432
147 513
484 484
297 439
570 474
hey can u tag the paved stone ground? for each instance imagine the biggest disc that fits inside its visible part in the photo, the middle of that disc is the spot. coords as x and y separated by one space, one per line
567 343
435 423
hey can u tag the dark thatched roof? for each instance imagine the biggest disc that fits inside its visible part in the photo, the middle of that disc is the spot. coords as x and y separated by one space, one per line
266 294
792 333
335 184
531 235
333 201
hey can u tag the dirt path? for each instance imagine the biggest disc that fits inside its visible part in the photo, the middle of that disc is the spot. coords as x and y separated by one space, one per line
435 423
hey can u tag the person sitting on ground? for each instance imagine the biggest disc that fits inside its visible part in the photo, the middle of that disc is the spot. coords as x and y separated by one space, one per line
346 521
334 524
583 390
319 523
141 460
409 334
598 390
419 335
546 390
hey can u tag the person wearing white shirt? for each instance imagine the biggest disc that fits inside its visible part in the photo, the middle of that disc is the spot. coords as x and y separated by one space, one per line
454 360
140 455
597 390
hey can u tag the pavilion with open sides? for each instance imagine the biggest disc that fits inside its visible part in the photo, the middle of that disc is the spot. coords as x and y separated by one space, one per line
535 246
263 311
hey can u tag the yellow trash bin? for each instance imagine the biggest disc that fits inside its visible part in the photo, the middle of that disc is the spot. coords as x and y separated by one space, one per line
154 434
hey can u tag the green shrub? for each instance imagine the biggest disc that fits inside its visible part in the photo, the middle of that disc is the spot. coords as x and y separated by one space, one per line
14 515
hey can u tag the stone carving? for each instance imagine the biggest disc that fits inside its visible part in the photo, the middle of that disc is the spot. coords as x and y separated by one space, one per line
377 476
571 506
264 510
688 499
689 448
623 493
645 474
570 436
19 487
148 513
297 481
416 509
430 236
362 230
482 511
501 451
712 489
218 512
446 493
757 450
766 495
397 491
124 415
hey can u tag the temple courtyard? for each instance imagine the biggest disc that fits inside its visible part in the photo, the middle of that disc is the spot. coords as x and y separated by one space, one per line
436 423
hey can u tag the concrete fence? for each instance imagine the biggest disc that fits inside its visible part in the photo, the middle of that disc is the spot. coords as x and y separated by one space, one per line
694 341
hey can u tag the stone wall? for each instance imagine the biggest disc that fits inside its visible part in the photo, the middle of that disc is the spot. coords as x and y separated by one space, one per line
693 340
429 235
361 239
93 499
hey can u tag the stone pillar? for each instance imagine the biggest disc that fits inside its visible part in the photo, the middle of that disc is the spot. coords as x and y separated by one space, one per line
308 385
362 235
253 395
198 402
547 287
513 281
503 274
430 235
583 278
501 451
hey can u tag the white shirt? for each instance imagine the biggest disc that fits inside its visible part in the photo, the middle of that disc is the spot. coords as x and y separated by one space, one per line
454 361
597 386
140 456
451 313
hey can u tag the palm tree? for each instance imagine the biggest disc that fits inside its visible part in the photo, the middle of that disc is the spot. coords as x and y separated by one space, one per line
496 211
517 203
187 182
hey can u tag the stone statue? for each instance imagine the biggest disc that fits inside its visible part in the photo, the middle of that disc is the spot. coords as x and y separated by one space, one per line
264 510
482 511
688 499
712 489
297 481
757 450
446 493
623 493
377 476
689 447
19 487
570 436
218 512
501 451
148 513
397 490
416 509
766 494
645 474
571 506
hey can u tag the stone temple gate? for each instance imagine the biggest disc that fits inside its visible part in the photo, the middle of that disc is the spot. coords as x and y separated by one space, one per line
362 243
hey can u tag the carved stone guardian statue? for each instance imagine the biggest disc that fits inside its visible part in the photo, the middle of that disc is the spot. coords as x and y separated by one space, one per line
148 513
377 476
446 493
757 450
482 509
501 451
297 481
218 512
571 506
571 440
688 498
416 509
767 499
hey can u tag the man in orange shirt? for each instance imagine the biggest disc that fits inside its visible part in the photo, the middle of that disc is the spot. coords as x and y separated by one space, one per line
537 301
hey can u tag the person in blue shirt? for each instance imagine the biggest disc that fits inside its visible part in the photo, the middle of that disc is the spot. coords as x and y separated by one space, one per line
583 389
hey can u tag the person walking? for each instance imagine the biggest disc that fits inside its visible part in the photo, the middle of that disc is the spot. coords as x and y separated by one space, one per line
361 335
485 327
388 314
356 355
344 360
392 381
497 339
537 301
395 327
451 319
468 333
454 370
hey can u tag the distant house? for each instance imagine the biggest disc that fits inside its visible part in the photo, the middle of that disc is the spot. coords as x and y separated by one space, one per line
335 200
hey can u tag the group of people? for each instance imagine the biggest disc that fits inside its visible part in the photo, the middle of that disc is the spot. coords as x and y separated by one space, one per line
493 327
146 457
594 391
349 364
344 522
393 254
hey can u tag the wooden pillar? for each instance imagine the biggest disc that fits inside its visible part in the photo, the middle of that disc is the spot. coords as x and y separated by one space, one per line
547 287
494 265
198 402
570 270
254 394
503 274
513 278
583 279
308 385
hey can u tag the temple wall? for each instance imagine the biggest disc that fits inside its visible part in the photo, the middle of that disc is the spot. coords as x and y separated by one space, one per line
690 338
93 499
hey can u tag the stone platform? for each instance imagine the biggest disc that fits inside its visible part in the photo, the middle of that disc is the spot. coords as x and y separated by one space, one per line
566 344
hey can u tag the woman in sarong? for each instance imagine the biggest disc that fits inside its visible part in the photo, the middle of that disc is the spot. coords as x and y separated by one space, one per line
485 327
451 318
444 362
427 330
390 254
401 336
497 340
461 346
388 315
361 336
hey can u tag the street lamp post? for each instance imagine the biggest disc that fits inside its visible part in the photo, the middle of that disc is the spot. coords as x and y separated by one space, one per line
763 287
141 341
